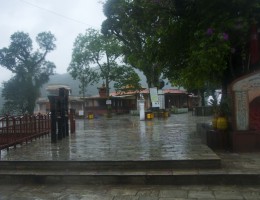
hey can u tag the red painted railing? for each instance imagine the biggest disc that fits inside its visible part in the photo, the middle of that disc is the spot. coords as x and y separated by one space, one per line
19 129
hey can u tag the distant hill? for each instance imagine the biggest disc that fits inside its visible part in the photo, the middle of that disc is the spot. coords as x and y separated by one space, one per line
74 84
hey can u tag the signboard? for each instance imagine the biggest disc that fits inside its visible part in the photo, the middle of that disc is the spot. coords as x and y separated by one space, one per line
161 99
154 97
81 112
108 102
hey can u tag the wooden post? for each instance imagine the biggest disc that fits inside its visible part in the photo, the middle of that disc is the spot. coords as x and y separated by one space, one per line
63 96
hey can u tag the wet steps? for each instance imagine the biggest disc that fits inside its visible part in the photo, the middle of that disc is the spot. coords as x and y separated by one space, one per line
169 154
160 177
123 172
213 162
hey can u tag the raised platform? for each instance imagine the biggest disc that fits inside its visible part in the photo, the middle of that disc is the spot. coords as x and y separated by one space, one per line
121 138
246 141
111 165
121 150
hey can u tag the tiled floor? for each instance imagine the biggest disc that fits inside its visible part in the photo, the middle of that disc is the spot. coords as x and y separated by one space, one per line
121 137
128 138
125 137
134 192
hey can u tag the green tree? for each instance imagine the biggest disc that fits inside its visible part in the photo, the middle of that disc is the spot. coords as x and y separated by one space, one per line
206 43
31 70
134 23
80 69
196 43
127 80
104 51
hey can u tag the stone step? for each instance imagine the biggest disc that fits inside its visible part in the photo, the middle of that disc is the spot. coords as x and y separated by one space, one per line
155 177
123 172
111 165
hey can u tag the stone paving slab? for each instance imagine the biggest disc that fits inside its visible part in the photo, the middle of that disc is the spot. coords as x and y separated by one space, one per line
120 138
92 143
240 162
125 137
138 192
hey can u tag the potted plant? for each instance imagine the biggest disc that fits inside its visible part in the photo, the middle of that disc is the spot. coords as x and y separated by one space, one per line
221 112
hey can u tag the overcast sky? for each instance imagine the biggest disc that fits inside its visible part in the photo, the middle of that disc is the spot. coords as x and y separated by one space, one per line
64 18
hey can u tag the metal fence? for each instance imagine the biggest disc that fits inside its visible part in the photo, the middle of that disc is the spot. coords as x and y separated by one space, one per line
21 129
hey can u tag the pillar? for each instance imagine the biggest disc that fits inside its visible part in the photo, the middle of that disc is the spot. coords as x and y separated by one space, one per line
242 110
52 100
141 109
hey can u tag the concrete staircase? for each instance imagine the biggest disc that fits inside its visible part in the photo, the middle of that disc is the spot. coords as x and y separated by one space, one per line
172 172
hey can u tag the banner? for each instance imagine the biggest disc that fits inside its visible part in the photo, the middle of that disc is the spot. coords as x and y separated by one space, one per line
161 99
154 97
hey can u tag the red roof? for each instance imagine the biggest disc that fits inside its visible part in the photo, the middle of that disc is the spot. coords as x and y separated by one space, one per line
174 91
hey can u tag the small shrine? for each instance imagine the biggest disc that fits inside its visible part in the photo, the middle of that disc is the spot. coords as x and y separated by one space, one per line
102 91
246 113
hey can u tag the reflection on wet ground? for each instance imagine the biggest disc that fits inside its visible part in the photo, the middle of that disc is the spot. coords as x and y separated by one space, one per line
126 138
121 137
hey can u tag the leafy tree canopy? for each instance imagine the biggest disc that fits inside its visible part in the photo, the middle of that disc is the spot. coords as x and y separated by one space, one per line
196 43
135 24
206 43
31 69
79 67
127 79
104 51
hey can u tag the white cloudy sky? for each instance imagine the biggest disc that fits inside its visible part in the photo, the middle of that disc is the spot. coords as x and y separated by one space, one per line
64 18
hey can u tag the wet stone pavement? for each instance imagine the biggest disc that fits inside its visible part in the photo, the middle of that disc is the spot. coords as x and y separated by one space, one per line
124 137
130 192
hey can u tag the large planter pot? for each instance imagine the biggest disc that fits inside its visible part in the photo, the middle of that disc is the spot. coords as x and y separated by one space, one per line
149 115
222 123
90 115
214 122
